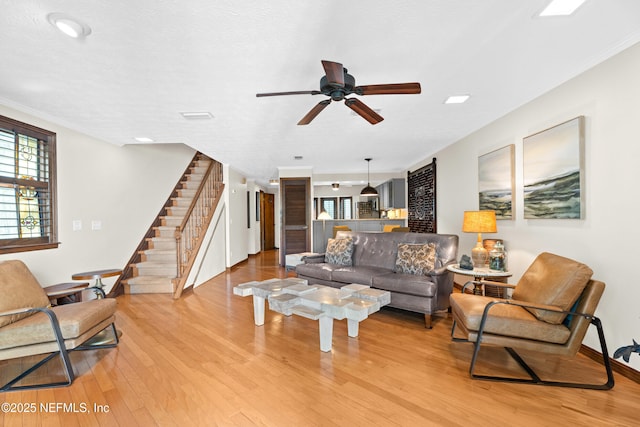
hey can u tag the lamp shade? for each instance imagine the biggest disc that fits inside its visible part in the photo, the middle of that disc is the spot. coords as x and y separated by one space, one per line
479 222
324 215
369 191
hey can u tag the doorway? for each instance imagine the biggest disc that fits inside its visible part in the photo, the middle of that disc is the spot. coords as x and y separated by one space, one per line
267 221
296 218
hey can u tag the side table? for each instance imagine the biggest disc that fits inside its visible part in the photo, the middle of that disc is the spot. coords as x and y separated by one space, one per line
479 275
64 293
102 337
98 275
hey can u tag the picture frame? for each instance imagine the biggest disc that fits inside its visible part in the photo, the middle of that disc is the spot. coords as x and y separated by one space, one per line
496 182
553 172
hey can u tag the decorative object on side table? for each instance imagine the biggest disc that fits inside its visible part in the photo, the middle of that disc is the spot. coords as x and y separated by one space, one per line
465 263
625 352
498 257
479 222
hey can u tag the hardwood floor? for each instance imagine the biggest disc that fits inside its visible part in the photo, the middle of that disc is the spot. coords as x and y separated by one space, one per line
201 361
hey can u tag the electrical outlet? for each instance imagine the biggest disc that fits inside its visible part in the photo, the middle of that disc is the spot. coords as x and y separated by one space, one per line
96 224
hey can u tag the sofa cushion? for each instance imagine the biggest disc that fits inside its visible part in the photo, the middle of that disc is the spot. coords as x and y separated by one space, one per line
361 274
317 271
74 319
568 276
406 283
19 289
504 319
339 251
415 258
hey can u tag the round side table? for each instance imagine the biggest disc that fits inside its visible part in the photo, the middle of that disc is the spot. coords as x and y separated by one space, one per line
98 275
479 275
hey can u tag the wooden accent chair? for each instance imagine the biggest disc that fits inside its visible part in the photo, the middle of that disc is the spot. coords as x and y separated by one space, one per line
552 307
30 326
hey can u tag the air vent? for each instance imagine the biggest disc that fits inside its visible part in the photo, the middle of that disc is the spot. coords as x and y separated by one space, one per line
197 115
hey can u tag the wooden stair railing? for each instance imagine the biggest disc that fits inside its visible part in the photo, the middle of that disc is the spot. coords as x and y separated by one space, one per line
136 257
190 234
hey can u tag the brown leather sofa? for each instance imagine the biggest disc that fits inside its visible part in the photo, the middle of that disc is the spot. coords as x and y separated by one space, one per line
374 264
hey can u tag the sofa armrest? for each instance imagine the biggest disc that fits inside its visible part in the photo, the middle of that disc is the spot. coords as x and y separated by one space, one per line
314 259
438 271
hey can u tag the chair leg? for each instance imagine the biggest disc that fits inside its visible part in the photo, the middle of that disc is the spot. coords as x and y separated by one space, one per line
535 379
64 357
102 339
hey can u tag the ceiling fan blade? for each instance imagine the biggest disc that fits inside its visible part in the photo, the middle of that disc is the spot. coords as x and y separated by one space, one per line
297 92
334 72
367 113
314 112
388 89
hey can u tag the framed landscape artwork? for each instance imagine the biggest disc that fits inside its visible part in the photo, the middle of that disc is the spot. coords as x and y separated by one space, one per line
553 172
496 182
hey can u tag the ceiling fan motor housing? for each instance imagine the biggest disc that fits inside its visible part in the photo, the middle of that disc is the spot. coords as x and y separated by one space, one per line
337 93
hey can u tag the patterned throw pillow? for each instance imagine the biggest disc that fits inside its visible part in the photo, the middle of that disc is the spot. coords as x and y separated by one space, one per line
339 251
416 259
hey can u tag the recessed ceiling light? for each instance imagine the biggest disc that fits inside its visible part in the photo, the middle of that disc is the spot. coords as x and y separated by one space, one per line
69 25
561 7
143 139
197 115
457 99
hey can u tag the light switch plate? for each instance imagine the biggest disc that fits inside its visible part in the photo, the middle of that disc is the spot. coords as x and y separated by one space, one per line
96 224
77 225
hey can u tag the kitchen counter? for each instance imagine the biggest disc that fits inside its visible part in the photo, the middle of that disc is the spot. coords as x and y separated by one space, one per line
322 230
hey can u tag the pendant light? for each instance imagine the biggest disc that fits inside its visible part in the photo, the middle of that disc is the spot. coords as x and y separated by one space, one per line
368 190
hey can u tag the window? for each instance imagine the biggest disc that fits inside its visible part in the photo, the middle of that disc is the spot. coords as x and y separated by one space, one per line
346 208
329 205
27 187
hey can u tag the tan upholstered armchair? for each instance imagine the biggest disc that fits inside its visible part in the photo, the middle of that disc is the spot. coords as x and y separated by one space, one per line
552 307
30 326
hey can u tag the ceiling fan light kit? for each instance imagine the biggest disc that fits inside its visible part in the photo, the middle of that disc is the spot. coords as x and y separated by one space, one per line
337 83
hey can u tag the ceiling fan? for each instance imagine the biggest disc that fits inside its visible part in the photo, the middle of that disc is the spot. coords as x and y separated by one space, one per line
337 84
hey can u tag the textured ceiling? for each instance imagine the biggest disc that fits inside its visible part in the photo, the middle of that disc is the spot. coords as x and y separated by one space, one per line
148 60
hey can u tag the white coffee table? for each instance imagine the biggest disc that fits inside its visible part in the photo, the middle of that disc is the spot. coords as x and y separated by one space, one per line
316 302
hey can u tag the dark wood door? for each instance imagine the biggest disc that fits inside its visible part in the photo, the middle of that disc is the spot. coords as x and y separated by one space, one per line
296 217
267 221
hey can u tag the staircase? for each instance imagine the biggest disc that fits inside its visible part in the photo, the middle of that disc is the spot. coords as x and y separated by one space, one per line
163 259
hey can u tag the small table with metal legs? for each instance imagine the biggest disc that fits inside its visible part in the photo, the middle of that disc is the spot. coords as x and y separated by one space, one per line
102 337
479 276
98 275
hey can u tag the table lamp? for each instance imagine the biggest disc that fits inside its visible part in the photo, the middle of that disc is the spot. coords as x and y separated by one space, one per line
479 222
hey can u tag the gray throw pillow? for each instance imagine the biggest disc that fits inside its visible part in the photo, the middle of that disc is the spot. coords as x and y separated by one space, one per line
339 251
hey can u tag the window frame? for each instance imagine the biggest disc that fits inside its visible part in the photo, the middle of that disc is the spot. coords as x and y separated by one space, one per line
49 241
341 208
334 201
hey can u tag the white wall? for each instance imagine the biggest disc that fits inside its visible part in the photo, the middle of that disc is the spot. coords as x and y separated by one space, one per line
236 220
607 238
123 187
253 235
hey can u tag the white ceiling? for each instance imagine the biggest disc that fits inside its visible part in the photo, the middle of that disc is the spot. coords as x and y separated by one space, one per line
148 60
